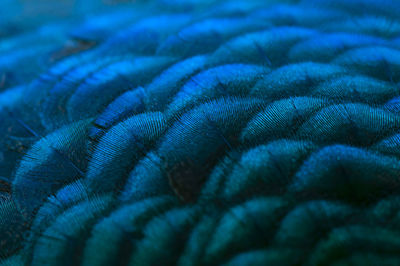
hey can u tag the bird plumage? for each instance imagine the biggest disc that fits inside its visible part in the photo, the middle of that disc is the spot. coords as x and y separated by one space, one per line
200 133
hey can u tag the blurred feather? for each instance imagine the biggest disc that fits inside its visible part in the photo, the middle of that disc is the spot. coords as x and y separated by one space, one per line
205 36
380 62
52 162
257 46
348 174
325 47
374 26
350 243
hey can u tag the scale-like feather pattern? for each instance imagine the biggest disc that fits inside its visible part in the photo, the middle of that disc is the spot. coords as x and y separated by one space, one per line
200 132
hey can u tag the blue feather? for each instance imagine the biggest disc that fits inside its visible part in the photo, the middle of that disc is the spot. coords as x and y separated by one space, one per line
199 132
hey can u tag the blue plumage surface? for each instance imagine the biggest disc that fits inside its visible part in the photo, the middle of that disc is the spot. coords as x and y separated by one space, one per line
258 132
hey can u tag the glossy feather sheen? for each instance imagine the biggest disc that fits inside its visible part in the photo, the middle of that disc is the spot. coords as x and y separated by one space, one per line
200 133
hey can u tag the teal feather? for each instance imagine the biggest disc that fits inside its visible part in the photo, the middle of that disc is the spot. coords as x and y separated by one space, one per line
199 132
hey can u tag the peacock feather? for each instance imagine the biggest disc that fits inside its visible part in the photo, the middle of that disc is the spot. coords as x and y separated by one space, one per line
200 132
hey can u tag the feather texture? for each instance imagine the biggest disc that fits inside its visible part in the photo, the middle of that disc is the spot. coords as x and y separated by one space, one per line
200 132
